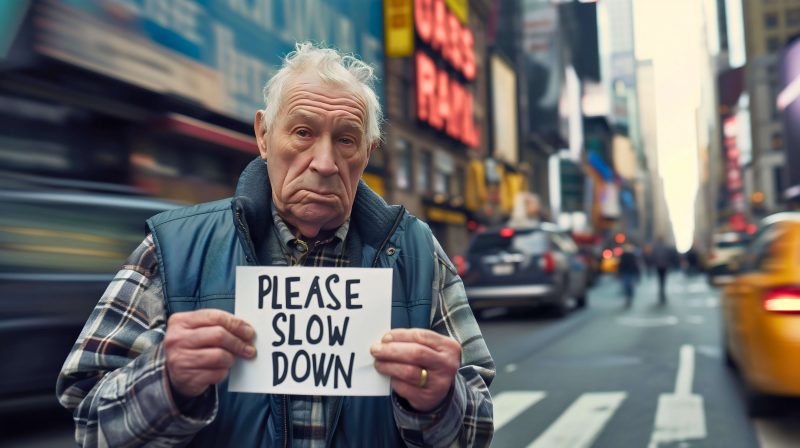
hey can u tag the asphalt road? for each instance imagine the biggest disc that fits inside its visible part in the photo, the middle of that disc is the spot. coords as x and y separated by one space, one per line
600 377
606 376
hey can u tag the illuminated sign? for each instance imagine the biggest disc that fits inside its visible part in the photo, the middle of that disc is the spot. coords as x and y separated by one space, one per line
442 101
398 28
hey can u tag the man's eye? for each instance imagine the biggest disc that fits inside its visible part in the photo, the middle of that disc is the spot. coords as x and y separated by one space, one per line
303 132
347 141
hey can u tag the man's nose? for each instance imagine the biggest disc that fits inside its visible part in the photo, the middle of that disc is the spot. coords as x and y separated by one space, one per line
324 158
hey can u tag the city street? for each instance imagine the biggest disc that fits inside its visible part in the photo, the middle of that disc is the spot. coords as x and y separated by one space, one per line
597 378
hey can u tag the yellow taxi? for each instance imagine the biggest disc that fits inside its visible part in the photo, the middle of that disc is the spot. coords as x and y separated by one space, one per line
761 313
610 260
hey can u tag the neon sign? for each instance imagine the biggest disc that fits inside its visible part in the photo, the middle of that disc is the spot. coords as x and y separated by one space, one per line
442 101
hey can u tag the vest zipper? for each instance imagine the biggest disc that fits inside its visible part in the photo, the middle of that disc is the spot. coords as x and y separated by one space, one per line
285 421
251 256
389 235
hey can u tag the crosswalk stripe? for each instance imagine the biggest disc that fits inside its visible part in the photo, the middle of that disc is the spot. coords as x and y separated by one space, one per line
580 425
508 405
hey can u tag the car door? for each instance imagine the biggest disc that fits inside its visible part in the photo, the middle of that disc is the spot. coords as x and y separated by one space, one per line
746 293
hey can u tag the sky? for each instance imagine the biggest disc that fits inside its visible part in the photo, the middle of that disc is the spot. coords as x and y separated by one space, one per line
672 34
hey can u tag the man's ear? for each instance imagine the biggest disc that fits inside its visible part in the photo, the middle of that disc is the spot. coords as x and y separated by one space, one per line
372 149
260 133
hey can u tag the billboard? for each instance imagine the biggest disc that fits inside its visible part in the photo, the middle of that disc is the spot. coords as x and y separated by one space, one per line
216 53
790 106
504 111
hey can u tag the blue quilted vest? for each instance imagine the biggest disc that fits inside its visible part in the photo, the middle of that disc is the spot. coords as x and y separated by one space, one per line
199 248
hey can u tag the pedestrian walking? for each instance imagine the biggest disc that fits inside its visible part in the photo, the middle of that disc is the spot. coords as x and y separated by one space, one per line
628 272
663 257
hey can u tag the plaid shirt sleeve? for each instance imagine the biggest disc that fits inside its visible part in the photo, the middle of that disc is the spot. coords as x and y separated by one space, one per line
465 418
114 379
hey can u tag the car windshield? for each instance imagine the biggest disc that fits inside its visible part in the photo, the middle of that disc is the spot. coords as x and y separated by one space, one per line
731 244
528 241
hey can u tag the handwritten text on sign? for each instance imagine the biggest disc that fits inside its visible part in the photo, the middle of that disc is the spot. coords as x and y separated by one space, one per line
314 328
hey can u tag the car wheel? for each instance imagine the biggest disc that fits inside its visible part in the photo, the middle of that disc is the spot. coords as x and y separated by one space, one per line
582 300
760 405
561 306
727 355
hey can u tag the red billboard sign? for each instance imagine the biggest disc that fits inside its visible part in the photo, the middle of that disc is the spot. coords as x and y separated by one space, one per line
443 101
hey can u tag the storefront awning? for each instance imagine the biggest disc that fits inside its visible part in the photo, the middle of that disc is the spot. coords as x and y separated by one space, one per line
207 132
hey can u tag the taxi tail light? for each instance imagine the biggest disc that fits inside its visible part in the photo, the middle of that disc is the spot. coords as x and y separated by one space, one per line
547 262
461 264
785 300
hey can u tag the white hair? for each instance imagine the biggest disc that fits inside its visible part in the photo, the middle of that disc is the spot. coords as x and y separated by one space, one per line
333 67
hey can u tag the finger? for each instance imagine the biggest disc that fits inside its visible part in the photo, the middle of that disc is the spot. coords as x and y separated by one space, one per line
219 337
406 353
422 336
213 317
408 373
204 359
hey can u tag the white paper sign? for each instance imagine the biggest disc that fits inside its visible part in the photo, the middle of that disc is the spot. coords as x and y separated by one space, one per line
314 328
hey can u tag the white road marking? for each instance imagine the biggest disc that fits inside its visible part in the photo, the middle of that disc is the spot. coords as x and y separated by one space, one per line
510 368
579 426
695 319
712 351
634 321
705 302
683 382
508 405
680 416
697 287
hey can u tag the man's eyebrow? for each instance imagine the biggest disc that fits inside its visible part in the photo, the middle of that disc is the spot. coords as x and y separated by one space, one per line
302 115
349 125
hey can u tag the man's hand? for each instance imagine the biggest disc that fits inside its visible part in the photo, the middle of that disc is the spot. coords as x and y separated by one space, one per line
200 346
403 353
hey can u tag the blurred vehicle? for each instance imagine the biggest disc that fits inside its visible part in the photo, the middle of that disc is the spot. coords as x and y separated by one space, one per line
588 249
61 242
612 250
725 247
609 261
528 266
761 313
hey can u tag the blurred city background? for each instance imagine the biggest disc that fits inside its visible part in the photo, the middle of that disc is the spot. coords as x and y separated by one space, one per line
543 141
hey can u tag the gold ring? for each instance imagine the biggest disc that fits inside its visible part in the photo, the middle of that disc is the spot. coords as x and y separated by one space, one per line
423 377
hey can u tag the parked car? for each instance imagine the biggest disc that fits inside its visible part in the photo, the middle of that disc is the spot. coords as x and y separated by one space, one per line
527 266
724 248
761 313
61 242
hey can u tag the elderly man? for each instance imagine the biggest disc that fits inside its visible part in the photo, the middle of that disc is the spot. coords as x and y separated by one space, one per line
150 366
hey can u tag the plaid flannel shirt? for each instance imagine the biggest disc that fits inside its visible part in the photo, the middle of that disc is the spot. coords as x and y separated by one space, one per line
115 380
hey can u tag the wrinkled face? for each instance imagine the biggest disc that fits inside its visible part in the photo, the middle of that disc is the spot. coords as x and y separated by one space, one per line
315 153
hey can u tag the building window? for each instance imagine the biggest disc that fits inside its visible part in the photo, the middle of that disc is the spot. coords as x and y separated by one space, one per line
771 20
403 165
793 17
444 170
773 44
424 173
457 187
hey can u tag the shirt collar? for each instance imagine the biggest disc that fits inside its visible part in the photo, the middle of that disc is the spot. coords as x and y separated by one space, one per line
289 241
